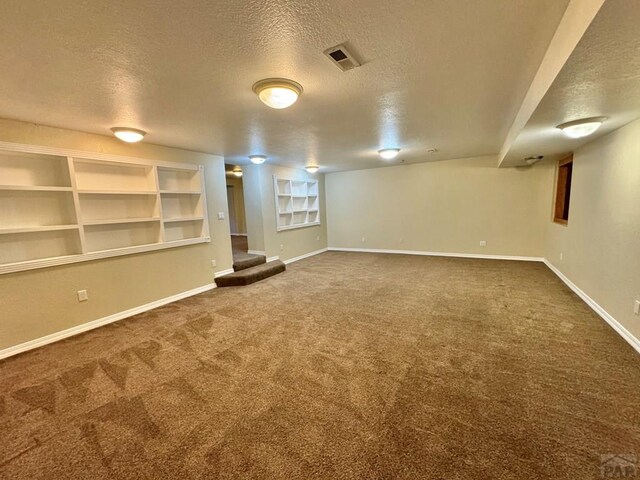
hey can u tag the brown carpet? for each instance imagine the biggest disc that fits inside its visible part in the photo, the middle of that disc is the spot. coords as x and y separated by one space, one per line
346 366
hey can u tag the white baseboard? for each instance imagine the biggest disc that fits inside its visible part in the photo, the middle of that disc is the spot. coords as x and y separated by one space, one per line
306 255
54 337
238 234
257 252
271 259
617 326
223 272
438 254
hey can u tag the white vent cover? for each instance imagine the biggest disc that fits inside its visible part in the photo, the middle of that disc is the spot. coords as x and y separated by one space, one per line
341 57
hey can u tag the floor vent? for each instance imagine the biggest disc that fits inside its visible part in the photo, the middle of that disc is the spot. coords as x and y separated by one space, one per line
342 58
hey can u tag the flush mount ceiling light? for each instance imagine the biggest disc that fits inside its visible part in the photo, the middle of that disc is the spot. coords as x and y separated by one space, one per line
389 153
129 135
581 128
533 159
237 171
277 92
257 159
312 168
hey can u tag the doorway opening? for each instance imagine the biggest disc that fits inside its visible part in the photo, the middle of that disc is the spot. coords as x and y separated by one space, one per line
237 216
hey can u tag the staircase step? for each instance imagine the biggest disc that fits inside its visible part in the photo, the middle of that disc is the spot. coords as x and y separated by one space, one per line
251 274
248 261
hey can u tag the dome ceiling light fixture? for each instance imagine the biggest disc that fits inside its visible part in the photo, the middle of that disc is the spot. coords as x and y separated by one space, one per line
129 135
389 153
312 168
257 159
581 128
277 92
237 171
533 159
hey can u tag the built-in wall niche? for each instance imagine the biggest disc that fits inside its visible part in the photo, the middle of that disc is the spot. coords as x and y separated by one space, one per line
297 203
59 206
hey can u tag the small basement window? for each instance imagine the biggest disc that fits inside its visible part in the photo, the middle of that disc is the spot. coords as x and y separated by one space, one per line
563 190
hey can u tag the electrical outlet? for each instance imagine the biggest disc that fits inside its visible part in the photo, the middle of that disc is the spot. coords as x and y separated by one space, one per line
483 243
402 240
83 296
220 215
561 256
318 238
213 263
281 247
636 307
363 240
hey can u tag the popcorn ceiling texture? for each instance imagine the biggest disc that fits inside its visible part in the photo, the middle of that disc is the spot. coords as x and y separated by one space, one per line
346 366
447 73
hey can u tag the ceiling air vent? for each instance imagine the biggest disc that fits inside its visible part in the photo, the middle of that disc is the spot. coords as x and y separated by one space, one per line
343 59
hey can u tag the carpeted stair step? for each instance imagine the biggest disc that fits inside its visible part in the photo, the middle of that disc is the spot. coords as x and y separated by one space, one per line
251 275
248 262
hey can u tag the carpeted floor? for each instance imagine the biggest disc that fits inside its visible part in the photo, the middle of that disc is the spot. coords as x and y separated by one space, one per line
346 366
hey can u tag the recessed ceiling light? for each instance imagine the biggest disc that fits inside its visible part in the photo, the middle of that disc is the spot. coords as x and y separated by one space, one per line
277 92
581 128
533 159
312 168
237 171
257 159
389 153
129 135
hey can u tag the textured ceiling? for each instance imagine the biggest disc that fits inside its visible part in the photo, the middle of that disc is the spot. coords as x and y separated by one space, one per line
446 74
601 78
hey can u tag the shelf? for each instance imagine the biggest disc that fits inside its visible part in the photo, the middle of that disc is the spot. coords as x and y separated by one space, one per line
182 219
110 250
297 203
34 169
35 188
28 246
182 230
117 221
44 228
180 192
117 192
56 208
120 177
121 235
171 179
31 208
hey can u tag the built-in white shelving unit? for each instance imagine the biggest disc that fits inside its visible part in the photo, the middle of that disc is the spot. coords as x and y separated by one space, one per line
297 203
59 206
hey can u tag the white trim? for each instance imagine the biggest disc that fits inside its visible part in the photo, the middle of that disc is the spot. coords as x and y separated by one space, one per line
438 254
54 337
273 259
238 234
306 255
223 272
85 257
617 326
257 252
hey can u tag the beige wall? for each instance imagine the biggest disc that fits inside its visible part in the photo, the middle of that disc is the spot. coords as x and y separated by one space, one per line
238 200
601 243
39 302
447 206
261 214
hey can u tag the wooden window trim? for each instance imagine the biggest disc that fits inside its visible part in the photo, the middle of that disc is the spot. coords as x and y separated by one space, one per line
562 200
